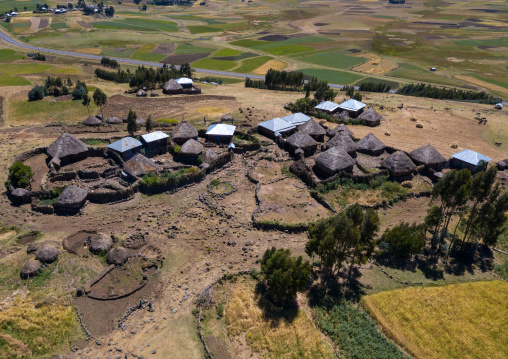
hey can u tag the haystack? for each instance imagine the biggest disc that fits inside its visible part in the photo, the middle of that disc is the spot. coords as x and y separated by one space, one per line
370 145
118 255
428 156
92 121
139 166
371 117
399 164
67 148
47 254
141 93
30 268
340 130
334 160
226 118
192 148
72 198
100 242
172 87
342 141
314 129
112 120
303 141
183 131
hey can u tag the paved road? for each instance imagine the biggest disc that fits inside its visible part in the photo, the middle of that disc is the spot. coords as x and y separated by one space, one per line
8 39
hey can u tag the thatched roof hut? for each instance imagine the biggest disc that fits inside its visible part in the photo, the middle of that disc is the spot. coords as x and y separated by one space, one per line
21 195
226 118
72 198
210 156
118 255
428 156
344 115
92 121
154 94
183 131
303 141
192 148
140 121
141 93
30 268
46 254
370 145
112 120
343 141
340 130
139 166
67 148
172 87
399 164
100 242
371 117
314 129
334 160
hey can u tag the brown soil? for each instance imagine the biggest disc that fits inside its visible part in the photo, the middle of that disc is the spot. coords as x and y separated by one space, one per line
164 49
1 111
85 24
274 38
62 98
180 59
412 210
119 281
76 243
44 22
39 168
218 347
27 239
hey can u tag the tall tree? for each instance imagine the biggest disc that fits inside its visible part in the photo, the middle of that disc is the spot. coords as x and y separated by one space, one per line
86 102
489 224
149 124
132 124
100 99
405 240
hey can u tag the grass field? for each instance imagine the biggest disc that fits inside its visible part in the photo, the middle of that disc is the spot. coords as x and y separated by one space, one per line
288 49
22 111
7 55
249 43
333 59
226 52
250 65
411 72
23 69
13 81
212 64
467 320
137 24
336 77
143 53
59 25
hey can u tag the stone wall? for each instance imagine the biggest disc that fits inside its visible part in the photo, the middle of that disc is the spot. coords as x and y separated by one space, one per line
29 154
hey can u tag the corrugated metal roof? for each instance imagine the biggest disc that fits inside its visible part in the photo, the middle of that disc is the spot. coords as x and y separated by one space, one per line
352 105
184 80
221 129
296 118
125 144
277 125
154 136
327 106
470 156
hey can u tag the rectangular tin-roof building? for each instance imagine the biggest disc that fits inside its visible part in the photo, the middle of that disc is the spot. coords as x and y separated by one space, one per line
352 106
275 126
127 147
155 142
468 159
327 106
296 118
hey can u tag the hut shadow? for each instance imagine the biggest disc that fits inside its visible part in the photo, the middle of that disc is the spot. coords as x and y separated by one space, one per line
273 313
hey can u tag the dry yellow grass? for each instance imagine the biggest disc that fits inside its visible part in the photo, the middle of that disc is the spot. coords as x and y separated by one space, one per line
212 111
296 339
468 320
272 64
375 65
90 50
483 84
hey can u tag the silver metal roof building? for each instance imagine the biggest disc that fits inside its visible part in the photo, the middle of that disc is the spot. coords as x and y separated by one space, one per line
154 136
471 157
296 118
352 105
221 129
125 144
277 125
327 106
184 81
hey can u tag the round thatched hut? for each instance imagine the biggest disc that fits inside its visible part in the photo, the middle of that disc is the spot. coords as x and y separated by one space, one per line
343 141
112 120
333 161
21 195
226 118
67 148
118 255
303 141
140 121
340 130
72 198
30 268
100 242
344 115
370 145
399 164
314 129
183 131
371 117
47 254
154 94
141 93
428 156
192 148
92 121
139 166
172 88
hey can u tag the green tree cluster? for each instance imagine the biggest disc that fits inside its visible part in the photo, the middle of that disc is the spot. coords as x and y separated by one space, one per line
423 90
19 175
404 240
132 125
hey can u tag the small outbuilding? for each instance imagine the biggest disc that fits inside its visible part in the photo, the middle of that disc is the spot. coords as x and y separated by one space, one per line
333 161
221 132
140 121
370 145
468 159
172 88
341 129
141 93
399 164
371 117
192 149
296 119
127 147
67 149
353 107
429 157
155 142
327 107
139 166
46 254
227 118
275 126
343 141
92 121
182 132
71 199
314 129
304 141
185 82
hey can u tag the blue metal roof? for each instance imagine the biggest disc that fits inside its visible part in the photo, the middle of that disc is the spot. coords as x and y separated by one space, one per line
327 106
296 118
125 144
277 125
470 156
352 105
154 136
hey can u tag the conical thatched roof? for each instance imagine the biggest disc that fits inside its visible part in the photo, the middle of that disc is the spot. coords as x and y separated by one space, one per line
139 166
21 195
154 94
370 144
398 163
210 156
312 128
112 120
334 160
67 146
184 131
118 255
72 197
140 121
227 118
141 93
343 115
301 140
343 141
172 85
192 148
91 121
30 268
370 116
100 242
427 155
340 130
47 254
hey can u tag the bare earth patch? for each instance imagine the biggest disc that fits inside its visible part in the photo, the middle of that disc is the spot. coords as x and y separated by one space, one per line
164 49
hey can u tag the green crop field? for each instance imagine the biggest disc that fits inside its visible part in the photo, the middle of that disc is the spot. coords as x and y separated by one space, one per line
167 26
226 52
250 65
111 25
59 25
335 59
249 43
211 64
7 55
288 49
411 72
23 69
127 52
502 41
201 29
336 77
13 81
146 56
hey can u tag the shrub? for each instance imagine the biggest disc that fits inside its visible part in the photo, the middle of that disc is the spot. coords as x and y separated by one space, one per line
178 150
220 310
19 175
37 93
404 240
79 93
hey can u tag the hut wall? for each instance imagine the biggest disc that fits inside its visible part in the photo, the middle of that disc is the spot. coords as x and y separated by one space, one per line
266 132
458 164
373 123
158 147
318 138
29 154
220 139
172 92
320 169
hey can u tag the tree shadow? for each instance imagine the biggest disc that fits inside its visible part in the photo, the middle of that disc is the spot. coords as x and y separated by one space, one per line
397 263
429 267
271 312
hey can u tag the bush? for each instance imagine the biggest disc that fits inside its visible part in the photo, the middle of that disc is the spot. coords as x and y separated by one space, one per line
19 175
37 93
79 93
404 240
177 150
220 310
